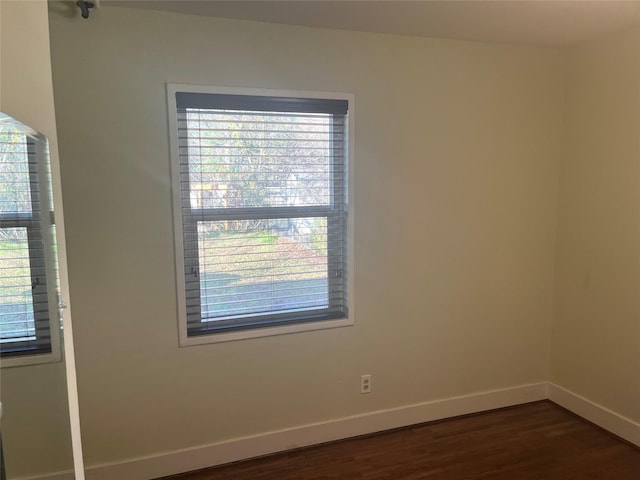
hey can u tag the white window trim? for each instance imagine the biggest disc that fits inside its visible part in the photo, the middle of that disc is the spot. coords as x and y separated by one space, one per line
184 339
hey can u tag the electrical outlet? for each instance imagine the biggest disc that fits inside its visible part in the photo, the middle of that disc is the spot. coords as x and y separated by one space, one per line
365 384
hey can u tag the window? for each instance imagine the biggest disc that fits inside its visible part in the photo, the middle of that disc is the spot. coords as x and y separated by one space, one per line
27 254
260 194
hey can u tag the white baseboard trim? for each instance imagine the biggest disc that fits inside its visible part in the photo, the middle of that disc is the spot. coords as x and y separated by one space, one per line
64 475
184 460
603 417
204 456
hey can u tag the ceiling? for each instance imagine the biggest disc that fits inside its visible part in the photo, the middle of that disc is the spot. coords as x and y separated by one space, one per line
554 23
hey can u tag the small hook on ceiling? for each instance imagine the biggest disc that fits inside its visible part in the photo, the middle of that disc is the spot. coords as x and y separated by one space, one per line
84 6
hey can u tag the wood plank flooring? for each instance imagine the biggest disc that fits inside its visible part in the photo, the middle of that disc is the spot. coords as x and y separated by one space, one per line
538 441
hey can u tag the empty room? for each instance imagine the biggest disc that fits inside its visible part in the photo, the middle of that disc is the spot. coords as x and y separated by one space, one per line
300 240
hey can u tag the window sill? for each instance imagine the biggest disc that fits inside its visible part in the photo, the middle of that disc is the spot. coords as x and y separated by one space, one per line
263 332
26 360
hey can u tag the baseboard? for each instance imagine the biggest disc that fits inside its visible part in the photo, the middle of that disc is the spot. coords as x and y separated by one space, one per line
170 463
65 475
603 417
204 456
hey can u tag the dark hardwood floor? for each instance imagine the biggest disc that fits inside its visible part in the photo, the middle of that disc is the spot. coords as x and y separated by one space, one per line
538 441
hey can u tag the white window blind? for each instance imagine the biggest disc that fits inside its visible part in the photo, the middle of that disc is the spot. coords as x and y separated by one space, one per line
264 210
24 304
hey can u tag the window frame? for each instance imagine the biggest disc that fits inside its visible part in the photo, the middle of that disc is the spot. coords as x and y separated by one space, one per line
40 250
263 329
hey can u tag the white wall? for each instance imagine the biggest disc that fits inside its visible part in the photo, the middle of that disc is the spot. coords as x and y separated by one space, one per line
457 146
34 398
596 332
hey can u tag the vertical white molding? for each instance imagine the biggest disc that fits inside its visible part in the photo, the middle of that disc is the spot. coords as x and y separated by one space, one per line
63 271
65 312
30 99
